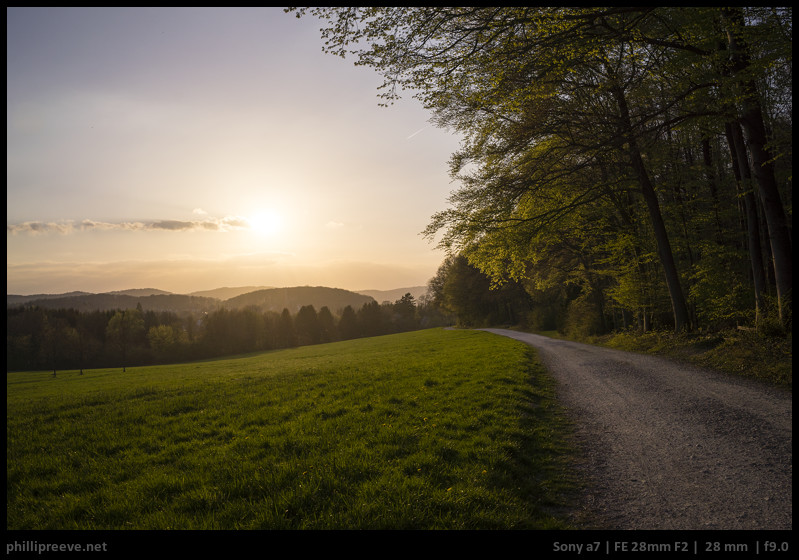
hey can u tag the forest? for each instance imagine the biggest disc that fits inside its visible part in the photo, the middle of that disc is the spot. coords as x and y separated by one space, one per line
38 338
620 168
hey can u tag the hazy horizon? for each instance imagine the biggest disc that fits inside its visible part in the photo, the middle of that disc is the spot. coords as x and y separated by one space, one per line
187 149
357 291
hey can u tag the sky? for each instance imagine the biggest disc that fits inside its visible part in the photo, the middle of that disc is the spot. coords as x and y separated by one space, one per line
187 149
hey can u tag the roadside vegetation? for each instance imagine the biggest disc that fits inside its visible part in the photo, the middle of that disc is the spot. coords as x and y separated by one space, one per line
434 429
740 352
468 298
736 351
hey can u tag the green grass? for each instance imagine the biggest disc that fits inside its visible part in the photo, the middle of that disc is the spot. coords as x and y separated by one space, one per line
433 429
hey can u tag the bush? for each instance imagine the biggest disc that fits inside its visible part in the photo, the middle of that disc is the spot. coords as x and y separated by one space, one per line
583 319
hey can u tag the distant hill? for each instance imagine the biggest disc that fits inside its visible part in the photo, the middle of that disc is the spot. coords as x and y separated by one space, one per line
277 299
267 299
14 300
393 295
100 302
140 292
227 293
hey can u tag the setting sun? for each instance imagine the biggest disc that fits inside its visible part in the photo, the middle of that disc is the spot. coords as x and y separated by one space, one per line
265 223
252 177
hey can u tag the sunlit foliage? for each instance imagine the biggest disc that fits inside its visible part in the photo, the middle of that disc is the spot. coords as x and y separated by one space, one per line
623 151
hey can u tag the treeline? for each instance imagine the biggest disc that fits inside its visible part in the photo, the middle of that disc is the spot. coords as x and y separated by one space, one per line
461 290
623 166
59 339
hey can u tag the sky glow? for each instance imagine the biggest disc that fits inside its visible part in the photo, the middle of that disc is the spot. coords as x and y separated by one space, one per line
192 148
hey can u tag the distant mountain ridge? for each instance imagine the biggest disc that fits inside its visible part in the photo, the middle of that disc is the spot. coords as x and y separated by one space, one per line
12 299
227 293
266 299
110 301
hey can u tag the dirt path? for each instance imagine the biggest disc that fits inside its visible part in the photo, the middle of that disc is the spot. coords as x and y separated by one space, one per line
670 446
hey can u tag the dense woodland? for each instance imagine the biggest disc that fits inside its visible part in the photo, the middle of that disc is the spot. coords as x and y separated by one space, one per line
621 167
56 339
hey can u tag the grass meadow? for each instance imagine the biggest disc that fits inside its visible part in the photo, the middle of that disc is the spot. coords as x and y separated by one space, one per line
434 429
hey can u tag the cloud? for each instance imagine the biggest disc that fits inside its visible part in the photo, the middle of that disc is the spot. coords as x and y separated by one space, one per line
228 223
39 228
173 225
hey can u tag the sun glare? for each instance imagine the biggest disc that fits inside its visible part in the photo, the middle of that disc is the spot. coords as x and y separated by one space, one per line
265 223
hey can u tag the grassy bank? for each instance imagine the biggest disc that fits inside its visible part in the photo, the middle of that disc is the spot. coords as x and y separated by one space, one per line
740 352
426 430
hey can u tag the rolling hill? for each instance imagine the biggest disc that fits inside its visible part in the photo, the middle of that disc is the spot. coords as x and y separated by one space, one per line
13 300
110 301
140 292
227 293
266 299
277 299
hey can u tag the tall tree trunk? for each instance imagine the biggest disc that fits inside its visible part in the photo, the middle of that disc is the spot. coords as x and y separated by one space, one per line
740 164
678 304
710 177
751 119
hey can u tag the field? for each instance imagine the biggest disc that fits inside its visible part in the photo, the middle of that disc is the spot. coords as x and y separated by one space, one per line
434 429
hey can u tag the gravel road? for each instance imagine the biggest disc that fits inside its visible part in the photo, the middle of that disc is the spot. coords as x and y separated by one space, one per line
670 446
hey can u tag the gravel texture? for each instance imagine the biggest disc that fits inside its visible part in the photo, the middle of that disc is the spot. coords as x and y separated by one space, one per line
669 446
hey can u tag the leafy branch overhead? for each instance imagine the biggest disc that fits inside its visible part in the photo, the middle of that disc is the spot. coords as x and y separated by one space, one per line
606 135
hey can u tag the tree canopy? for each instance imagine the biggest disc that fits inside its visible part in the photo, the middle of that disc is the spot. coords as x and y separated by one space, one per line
639 155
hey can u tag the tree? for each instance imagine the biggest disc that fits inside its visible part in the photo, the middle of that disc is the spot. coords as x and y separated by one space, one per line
679 306
86 343
327 325
162 340
465 291
404 310
743 178
306 325
752 120
286 334
370 320
55 341
348 324
123 329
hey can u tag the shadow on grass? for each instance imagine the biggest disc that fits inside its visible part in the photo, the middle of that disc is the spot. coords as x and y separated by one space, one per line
540 467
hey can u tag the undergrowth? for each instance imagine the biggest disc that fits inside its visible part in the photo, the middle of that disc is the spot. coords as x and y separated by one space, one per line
741 352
